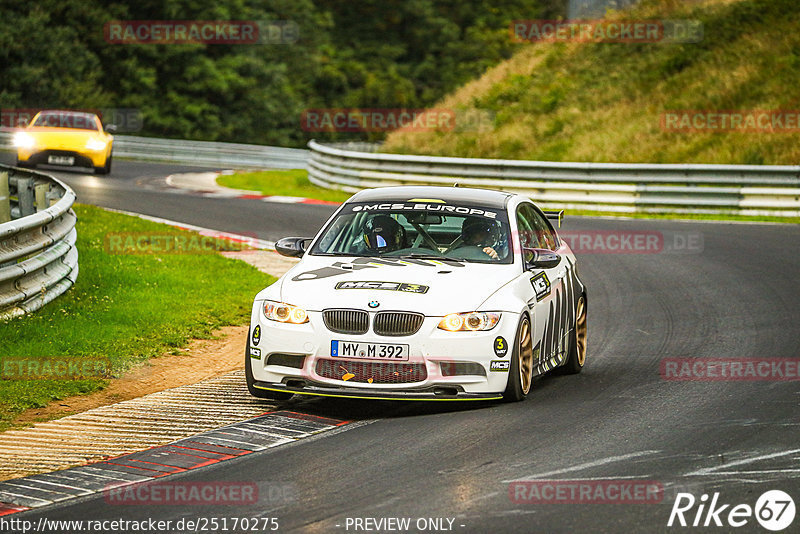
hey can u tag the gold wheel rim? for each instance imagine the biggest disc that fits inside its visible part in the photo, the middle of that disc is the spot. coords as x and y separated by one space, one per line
525 357
580 331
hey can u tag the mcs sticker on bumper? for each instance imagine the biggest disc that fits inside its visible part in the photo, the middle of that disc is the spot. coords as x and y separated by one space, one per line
255 353
500 366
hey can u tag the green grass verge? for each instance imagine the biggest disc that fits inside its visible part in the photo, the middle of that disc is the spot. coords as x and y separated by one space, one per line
290 183
127 308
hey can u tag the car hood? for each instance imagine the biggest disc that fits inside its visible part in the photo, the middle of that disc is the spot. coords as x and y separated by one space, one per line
64 138
434 288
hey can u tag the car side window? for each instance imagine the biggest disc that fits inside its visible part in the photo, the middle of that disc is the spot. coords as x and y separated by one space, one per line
543 229
528 237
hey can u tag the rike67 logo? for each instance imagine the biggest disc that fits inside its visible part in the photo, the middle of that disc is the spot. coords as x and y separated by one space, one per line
774 510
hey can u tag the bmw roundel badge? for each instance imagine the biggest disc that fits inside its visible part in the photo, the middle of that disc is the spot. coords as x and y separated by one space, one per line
374 304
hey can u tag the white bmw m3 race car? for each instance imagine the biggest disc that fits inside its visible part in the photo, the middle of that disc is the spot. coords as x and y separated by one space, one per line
420 293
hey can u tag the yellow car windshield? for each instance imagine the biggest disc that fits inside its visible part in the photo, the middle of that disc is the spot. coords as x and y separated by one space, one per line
80 121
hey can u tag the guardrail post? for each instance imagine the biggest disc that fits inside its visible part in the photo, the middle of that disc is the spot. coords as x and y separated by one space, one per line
51 197
40 193
25 198
5 199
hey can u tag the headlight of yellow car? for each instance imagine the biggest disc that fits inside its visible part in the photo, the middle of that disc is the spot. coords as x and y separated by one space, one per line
469 322
284 313
95 144
23 140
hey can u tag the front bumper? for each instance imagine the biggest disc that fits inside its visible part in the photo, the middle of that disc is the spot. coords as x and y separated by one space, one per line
447 365
83 158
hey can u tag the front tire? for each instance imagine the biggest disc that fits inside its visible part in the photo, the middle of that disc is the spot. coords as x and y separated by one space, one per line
254 391
105 169
520 375
576 357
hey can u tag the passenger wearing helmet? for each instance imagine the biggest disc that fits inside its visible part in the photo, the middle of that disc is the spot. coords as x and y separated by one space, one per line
482 234
384 234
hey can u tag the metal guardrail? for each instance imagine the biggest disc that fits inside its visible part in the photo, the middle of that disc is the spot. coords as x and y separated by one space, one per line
750 190
38 258
208 153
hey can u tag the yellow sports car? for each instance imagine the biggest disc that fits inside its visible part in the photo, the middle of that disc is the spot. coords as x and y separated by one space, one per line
72 138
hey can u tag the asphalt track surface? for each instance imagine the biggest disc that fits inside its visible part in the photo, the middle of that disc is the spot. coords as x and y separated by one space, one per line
734 296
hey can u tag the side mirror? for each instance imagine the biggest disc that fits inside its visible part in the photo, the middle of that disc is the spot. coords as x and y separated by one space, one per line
540 258
110 128
292 247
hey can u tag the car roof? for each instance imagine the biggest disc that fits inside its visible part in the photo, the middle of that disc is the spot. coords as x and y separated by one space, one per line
465 195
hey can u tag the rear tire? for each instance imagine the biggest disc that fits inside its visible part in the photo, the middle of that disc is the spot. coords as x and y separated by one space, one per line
520 375
576 358
254 391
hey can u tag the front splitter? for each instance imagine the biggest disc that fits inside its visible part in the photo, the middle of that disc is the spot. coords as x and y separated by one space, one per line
361 393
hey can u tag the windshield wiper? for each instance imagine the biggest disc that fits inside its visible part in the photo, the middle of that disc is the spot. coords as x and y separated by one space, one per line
346 254
419 256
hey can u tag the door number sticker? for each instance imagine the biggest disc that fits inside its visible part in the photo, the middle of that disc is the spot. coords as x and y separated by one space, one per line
541 285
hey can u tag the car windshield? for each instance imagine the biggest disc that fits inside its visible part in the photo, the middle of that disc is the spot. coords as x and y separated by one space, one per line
418 230
63 119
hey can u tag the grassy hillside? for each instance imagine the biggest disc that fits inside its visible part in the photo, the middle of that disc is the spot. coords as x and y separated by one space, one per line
605 101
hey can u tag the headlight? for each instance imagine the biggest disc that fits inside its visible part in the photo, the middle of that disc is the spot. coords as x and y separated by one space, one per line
95 144
284 313
23 140
470 322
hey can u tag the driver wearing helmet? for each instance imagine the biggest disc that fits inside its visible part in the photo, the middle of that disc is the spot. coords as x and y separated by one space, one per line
384 234
482 234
